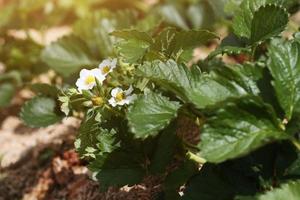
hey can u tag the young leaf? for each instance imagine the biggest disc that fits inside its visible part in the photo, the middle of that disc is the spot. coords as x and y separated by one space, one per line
237 131
284 64
277 20
67 55
247 21
151 113
92 135
288 191
7 92
39 112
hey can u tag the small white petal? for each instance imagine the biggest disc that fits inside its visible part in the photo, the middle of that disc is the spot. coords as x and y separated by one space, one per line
115 91
84 72
131 98
121 103
112 102
114 63
104 63
98 75
129 90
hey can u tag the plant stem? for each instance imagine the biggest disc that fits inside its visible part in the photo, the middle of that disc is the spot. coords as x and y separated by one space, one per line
253 52
296 143
195 158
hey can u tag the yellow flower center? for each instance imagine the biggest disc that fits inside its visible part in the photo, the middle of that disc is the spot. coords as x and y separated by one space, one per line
120 96
105 69
98 101
90 79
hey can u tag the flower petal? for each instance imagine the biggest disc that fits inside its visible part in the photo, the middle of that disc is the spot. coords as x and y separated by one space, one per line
112 102
115 91
129 90
84 72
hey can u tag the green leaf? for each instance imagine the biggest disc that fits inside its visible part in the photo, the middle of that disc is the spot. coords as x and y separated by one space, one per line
95 29
284 64
133 34
164 149
119 177
246 76
288 191
67 55
151 113
236 131
178 178
7 92
247 19
92 135
118 169
39 112
172 16
44 89
133 50
277 20
192 86
294 168
134 45
208 185
192 38
171 42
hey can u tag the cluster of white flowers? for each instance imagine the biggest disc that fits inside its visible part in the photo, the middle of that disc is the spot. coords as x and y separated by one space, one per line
88 80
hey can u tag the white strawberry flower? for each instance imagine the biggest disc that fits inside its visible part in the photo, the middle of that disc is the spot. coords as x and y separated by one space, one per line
107 66
87 79
121 97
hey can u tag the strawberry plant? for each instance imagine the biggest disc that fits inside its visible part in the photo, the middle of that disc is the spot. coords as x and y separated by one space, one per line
128 75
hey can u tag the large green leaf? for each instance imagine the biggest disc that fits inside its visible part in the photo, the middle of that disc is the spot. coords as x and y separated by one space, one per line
133 50
288 191
133 34
284 64
151 113
39 112
170 43
204 186
164 149
246 76
178 178
236 131
247 22
7 92
191 85
67 55
118 168
119 176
